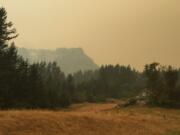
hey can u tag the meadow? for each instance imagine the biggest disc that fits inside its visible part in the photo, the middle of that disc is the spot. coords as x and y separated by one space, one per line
91 119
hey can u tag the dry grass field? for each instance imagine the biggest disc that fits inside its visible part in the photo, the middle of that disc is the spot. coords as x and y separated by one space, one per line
91 119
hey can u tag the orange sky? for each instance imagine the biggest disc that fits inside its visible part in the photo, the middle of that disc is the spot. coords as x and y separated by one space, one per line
110 31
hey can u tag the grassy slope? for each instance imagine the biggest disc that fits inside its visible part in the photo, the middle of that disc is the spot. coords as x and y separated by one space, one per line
91 119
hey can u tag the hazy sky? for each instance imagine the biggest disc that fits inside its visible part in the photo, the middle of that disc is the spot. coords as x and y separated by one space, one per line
110 31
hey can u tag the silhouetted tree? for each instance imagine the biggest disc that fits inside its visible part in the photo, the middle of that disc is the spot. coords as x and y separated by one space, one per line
8 58
6 31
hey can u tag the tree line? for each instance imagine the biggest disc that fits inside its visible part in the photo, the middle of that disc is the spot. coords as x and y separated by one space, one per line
44 85
163 85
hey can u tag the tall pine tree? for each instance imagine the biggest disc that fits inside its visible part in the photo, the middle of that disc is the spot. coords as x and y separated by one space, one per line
8 57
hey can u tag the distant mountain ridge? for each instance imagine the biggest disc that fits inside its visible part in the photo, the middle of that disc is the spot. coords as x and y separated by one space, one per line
70 60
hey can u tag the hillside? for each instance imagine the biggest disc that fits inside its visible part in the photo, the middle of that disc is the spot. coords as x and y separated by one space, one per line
69 60
91 119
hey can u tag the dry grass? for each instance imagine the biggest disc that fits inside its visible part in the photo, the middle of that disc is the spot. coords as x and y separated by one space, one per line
91 119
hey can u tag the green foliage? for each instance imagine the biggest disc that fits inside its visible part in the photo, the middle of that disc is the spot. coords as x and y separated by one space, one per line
110 82
44 85
163 86
24 85
6 31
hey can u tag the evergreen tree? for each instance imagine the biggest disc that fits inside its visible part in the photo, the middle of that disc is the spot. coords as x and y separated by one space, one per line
7 32
162 84
8 57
